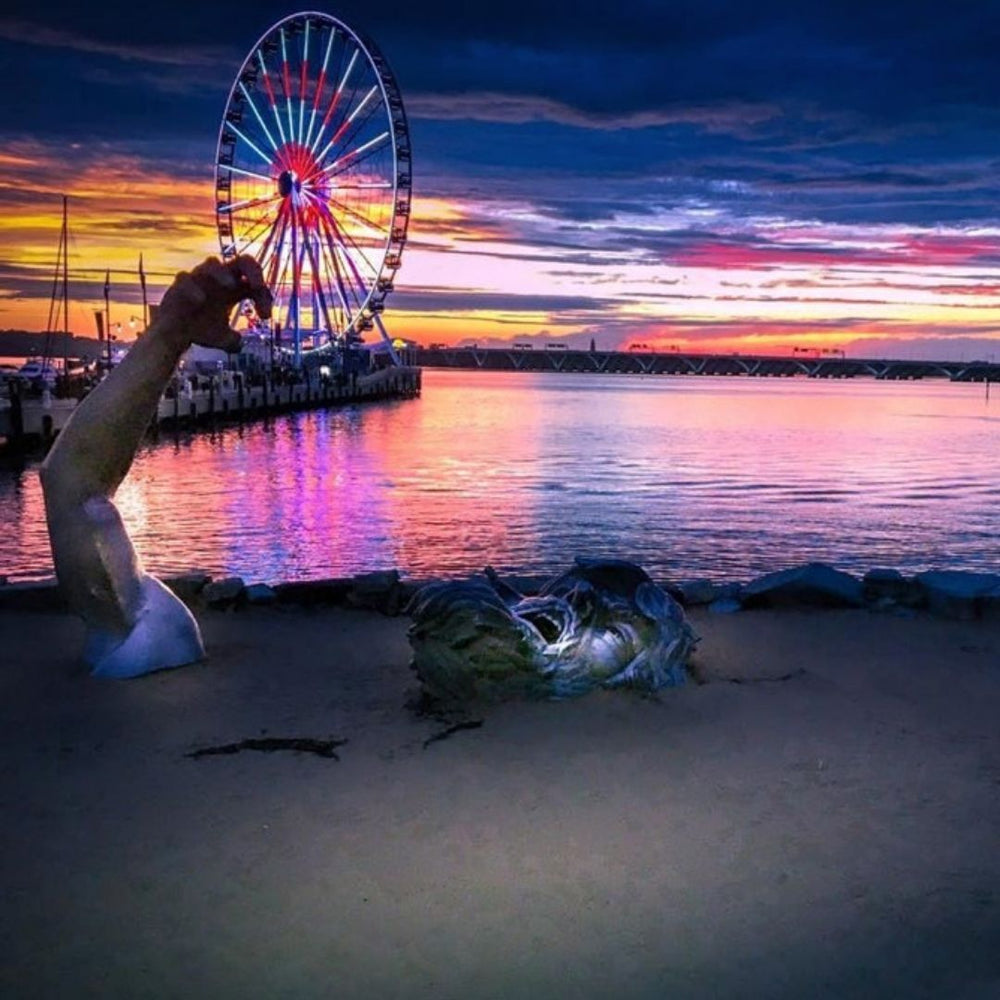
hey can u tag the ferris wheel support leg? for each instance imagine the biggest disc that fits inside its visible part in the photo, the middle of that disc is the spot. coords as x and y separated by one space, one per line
387 339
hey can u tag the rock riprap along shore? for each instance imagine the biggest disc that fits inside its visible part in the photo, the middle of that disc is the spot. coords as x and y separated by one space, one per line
952 594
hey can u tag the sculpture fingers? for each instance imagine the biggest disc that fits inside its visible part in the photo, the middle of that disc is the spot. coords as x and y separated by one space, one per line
252 284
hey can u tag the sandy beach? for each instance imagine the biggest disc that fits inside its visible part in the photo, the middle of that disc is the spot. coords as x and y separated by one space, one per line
818 818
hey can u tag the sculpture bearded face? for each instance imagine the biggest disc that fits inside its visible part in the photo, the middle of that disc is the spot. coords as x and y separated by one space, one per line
604 623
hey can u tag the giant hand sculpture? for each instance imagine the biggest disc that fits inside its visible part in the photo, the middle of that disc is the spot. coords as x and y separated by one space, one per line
134 623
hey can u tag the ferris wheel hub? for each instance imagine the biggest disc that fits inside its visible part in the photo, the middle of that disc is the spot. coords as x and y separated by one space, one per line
288 182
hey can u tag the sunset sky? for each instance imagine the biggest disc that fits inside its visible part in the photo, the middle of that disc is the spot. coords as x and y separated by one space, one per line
716 174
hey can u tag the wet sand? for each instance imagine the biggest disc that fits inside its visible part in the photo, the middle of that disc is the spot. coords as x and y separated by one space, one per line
821 818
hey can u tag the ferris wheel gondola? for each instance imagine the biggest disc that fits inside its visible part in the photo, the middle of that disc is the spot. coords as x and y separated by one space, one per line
313 174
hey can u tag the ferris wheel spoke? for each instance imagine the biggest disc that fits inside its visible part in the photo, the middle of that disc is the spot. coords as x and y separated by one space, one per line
343 289
342 311
246 221
302 79
278 227
277 273
344 238
243 243
353 159
269 256
237 206
363 219
269 90
329 244
247 173
286 81
337 284
317 284
321 83
257 115
347 122
359 285
342 141
364 186
363 151
267 159
354 285
279 284
248 239
334 101
318 289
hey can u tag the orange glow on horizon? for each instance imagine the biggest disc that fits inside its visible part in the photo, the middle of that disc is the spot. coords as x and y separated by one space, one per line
479 270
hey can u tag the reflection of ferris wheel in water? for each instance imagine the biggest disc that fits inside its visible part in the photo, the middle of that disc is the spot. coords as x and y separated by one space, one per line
312 178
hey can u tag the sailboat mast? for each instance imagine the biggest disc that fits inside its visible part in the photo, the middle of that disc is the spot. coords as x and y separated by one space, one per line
65 263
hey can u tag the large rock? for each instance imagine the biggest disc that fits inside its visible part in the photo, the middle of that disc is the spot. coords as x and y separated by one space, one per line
815 585
725 606
188 586
887 588
378 591
955 594
700 591
44 595
223 593
259 593
310 592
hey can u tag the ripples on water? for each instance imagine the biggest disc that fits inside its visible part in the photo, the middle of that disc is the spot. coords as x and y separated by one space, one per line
725 478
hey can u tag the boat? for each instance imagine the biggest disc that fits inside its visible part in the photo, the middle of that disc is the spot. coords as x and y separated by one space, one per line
38 372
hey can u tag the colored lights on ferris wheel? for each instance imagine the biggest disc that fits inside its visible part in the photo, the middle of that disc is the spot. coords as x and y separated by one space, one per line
313 175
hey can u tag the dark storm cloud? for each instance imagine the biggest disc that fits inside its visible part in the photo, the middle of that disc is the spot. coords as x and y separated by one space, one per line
895 61
839 111
430 300
519 109
30 33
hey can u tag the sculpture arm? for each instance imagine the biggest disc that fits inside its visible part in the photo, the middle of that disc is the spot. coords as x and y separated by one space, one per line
95 560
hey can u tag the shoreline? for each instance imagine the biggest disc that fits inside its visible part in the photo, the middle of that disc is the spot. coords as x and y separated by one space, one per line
817 817
955 594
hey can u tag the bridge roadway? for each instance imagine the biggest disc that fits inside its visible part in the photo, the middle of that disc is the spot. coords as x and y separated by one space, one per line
675 363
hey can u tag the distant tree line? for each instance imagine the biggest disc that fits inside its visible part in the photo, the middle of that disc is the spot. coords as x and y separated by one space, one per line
24 343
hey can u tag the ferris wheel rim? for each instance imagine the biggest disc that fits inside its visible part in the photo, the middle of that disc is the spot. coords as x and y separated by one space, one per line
379 282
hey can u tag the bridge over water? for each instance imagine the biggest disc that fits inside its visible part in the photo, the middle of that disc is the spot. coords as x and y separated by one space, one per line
676 363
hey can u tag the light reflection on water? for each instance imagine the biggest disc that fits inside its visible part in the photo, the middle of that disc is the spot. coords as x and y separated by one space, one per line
718 477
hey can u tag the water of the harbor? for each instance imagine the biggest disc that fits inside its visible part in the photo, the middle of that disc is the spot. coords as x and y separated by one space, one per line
718 477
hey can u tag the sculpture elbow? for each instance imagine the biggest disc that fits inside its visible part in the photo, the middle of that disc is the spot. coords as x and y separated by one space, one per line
65 482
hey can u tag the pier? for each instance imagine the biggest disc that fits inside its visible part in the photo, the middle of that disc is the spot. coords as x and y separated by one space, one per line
678 363
30 418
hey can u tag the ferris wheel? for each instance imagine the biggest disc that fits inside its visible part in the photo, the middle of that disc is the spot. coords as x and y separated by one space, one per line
313 177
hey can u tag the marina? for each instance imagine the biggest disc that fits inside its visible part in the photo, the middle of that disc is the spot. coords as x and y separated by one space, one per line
33 419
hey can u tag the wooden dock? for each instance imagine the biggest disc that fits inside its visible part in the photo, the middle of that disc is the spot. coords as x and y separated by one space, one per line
33 420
